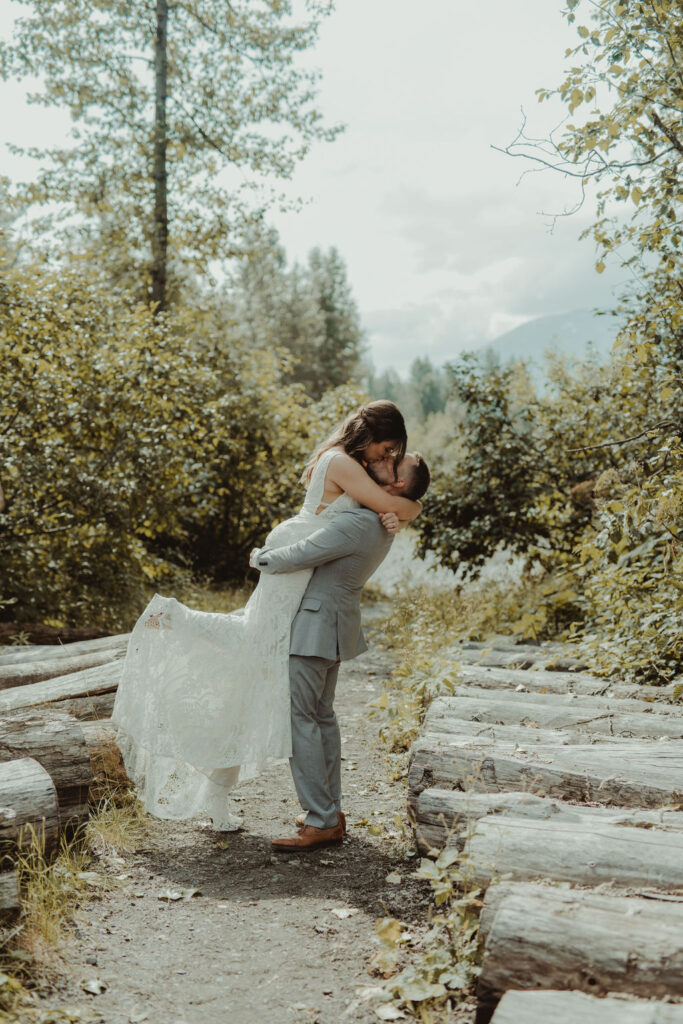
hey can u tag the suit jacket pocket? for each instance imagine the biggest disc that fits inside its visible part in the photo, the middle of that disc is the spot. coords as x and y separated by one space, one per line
310 604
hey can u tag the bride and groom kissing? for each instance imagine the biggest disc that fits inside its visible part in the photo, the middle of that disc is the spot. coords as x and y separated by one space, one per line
206 699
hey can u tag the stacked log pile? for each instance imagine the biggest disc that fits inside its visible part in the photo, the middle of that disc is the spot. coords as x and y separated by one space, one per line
49 697
570 788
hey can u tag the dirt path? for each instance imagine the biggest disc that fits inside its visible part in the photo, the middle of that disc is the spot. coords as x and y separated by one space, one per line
262 941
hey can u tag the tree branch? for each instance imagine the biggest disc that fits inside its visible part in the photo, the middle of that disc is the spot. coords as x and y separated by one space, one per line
660 427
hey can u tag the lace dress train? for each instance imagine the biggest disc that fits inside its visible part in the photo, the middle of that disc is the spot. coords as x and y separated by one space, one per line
203 701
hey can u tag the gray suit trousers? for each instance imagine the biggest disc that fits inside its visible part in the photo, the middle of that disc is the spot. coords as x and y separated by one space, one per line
316 743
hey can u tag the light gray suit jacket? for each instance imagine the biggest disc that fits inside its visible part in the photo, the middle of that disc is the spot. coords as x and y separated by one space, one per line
344 554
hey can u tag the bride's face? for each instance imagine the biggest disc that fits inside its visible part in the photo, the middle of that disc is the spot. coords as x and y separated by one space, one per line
379 450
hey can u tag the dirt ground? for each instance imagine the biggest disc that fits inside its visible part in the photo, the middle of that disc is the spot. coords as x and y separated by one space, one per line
262 940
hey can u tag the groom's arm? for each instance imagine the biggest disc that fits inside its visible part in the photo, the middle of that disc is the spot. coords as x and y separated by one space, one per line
344 535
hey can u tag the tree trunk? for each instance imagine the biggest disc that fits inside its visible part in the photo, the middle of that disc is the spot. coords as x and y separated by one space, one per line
628 773
25 673
80 689
444 817
47 652
547 938
107 764
27 799
582 852
596 716
570 1007
160 225
9 893
57 743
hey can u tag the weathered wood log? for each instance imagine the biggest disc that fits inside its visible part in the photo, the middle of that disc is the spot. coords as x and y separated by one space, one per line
29 672
37 633
574 1007
10 901
547 938
446 714
43 652
559 701
449 730
28 802
632 774
57 743
541 681
446 817
109 771
579 851
91 683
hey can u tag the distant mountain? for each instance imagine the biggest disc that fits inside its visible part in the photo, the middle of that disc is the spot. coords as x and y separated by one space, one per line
569 334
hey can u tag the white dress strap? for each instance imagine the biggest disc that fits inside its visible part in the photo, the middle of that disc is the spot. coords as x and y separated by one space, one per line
316 487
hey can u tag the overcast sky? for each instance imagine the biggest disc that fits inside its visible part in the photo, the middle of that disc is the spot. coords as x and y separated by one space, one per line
444 248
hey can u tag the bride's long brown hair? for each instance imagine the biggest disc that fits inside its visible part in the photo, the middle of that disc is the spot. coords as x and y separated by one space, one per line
371 424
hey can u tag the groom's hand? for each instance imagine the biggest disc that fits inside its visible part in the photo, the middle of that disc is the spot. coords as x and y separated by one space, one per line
390 522
255 552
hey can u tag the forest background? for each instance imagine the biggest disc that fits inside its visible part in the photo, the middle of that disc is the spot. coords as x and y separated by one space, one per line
166 371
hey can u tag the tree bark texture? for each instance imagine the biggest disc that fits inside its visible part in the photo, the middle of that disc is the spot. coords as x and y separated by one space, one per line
64 692
547 938
47 652
10 901
596 716
160 175
574 1007
24 673
629 774
446 817
28 800
57 743
581 851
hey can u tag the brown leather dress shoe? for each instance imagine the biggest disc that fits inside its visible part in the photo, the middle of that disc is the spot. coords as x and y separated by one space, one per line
309 838
300 820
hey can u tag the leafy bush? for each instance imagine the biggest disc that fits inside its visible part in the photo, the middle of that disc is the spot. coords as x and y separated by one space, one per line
134 449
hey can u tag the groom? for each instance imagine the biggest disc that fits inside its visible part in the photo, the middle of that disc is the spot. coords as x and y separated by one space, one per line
327 630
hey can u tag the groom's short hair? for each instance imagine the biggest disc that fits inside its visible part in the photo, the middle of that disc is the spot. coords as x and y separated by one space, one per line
417 478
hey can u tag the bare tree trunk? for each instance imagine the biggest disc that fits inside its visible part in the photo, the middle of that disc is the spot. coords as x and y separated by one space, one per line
160 227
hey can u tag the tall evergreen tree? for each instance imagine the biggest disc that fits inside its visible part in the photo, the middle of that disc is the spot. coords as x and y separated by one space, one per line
181 111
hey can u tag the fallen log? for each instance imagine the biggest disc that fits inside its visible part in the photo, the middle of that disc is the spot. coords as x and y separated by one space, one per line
632 774
541 681
64 690
546 938
57 743
447 817
40 652
577 851
109 771
37 633
447 713
25 673
572 1007
28 803
10 901
453 730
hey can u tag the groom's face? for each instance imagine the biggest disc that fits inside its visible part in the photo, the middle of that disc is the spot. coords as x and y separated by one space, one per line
383 473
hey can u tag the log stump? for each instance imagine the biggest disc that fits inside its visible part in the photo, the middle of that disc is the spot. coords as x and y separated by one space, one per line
28 801
57 743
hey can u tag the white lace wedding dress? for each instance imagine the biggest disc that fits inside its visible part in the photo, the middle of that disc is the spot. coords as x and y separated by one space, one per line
204 697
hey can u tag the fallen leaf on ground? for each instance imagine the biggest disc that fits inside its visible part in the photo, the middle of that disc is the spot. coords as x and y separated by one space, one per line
344 912
178 894
393 878
91 878
94 986
389 1012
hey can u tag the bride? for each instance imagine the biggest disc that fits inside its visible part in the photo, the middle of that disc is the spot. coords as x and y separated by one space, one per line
204 697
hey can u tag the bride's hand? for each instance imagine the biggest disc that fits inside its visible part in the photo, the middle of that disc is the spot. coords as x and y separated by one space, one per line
390 521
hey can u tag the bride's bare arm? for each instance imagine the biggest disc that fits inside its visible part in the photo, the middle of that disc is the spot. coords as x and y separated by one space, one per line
350 477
